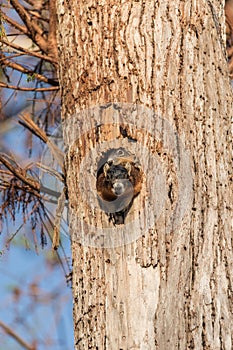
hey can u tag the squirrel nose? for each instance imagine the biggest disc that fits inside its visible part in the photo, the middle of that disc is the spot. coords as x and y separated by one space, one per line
118 188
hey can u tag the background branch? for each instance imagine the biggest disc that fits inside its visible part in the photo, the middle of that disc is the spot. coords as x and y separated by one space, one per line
28 52
13 87
34 31
16 337
24 70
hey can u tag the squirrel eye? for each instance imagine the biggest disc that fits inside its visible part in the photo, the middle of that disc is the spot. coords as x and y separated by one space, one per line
120 152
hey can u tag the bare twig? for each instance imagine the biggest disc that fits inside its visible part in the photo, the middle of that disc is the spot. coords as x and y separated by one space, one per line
52 41
15 24
4 58
37 15
34 31
19 340
37 5
28 52
13 87
24 70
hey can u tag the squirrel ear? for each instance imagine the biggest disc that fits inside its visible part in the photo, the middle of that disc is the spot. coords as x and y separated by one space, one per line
128 168
105 169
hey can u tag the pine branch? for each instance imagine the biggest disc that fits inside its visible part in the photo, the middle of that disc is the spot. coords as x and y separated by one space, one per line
20 173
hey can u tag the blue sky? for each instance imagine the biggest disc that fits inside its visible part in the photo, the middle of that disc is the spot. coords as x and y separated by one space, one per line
43 309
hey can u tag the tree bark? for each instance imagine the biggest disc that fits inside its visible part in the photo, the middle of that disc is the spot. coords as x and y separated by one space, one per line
151 77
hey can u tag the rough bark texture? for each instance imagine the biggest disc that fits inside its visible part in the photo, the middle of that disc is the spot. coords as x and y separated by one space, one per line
157 282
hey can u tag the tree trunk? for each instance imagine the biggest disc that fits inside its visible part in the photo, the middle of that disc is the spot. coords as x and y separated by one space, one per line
151 77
